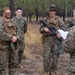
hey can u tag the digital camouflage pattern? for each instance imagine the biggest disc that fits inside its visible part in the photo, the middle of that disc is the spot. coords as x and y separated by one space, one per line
22 23
6 49
69 24
52 46
70 48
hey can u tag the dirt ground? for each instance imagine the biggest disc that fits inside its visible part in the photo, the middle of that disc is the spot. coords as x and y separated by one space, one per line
33 64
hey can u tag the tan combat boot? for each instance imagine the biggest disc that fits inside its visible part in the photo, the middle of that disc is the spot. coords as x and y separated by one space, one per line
20 66
54 73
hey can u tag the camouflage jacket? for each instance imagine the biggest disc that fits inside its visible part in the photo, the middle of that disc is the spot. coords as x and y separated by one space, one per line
56 22
70 41
6 35
21 22
69 24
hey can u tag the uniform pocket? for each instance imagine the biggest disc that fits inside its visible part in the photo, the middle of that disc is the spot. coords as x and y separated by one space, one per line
4 47
2 57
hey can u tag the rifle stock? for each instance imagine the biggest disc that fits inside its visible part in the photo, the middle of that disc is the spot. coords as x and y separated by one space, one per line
51 28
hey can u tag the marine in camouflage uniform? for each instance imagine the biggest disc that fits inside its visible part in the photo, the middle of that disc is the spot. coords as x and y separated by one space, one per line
8 43
70 48
22 23
52 46
71 22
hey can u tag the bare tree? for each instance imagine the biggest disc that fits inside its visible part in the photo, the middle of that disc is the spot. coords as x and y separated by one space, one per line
36 9
19 2
49 3
43 9
66 8
12 8
27 9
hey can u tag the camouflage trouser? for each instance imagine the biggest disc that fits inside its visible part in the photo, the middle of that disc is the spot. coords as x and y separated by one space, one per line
51 54
70 73
2 62
12 61
20 53
71 68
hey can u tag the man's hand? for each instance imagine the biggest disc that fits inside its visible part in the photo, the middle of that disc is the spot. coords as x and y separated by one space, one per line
14 39
47 30
59 35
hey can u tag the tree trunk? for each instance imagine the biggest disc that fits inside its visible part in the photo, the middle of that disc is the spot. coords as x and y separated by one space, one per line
30 16
36 14
43 9
12 8
36 10
27 10
66 8
49 3
19 3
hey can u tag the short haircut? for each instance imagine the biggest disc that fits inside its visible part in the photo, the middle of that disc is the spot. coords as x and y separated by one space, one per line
18 8
6 8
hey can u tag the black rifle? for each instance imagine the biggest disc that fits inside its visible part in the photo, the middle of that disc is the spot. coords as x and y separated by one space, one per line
71 23
51 28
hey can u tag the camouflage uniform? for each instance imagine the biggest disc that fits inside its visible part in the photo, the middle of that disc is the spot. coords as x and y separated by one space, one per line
7 48
22 23
70 48
52 46
69 24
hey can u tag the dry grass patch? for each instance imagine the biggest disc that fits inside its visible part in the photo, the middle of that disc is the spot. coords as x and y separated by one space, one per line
32 37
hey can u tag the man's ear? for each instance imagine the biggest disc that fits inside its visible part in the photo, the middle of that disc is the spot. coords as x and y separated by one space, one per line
15 12
3 13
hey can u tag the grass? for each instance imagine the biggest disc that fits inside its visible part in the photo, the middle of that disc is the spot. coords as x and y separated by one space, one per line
32 37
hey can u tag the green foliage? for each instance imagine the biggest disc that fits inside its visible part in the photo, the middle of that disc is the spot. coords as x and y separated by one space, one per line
3 3
42 5
33 16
